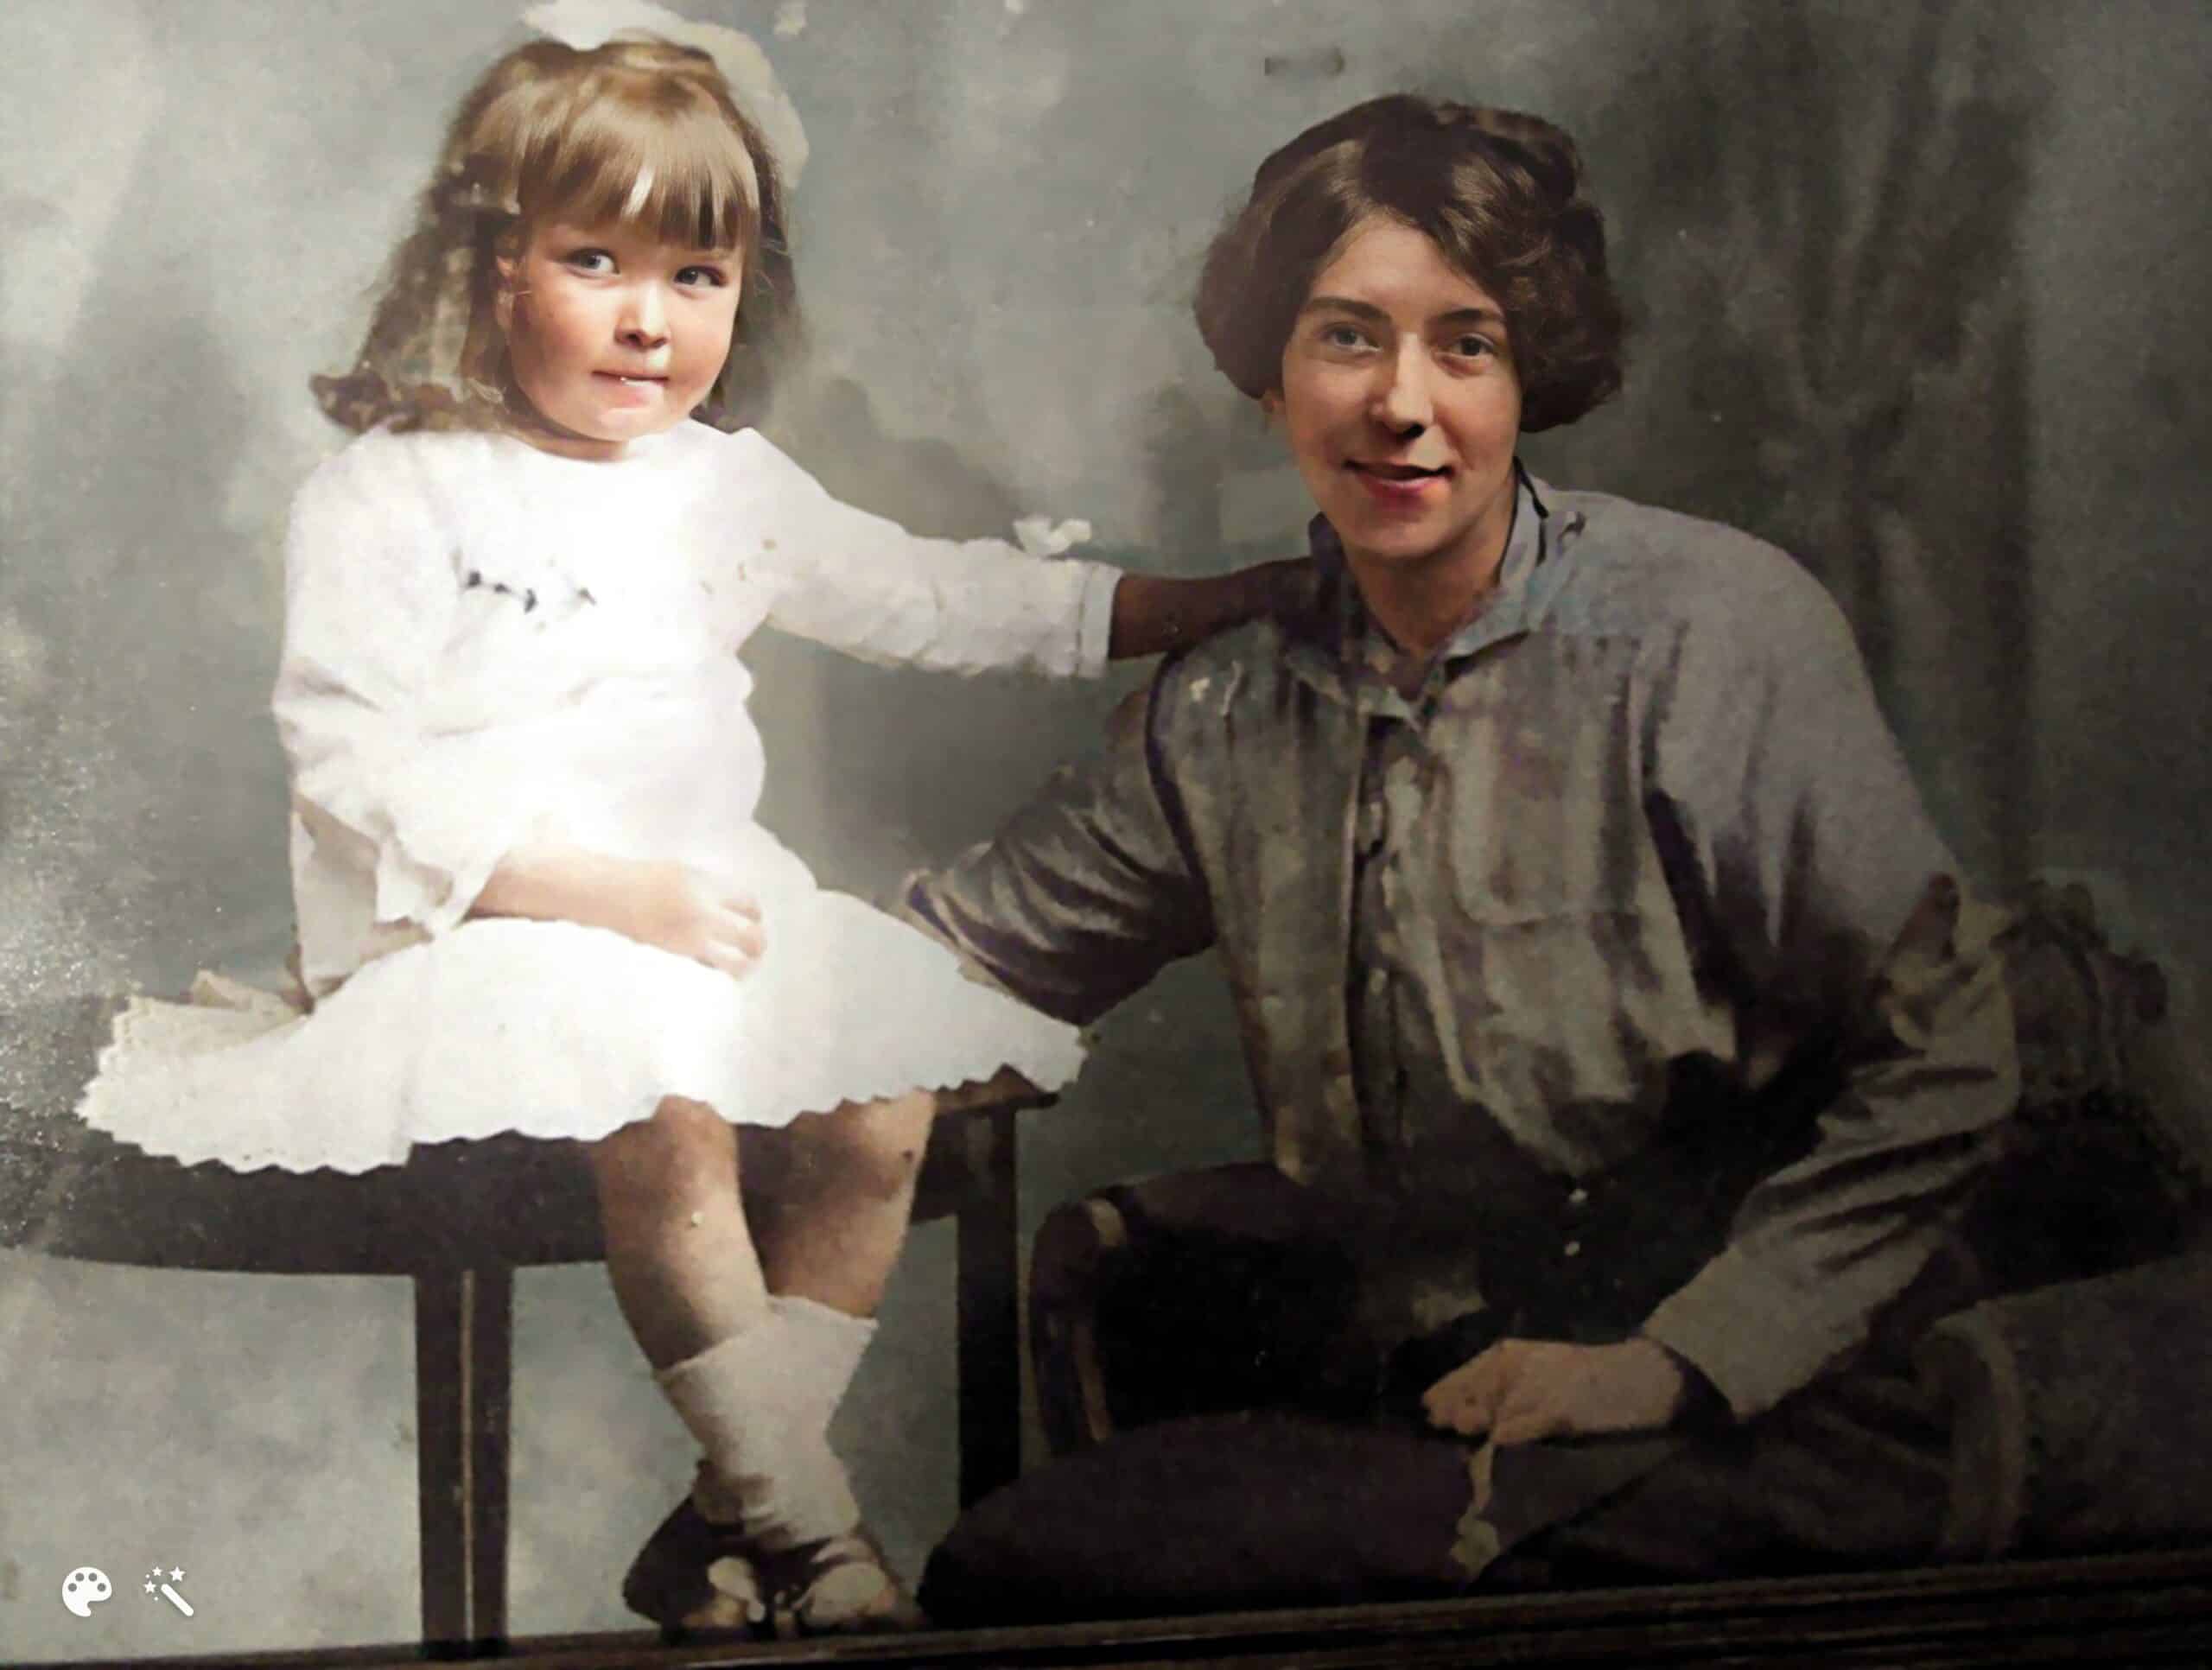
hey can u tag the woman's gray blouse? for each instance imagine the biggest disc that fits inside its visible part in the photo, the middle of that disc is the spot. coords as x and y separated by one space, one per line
1642 812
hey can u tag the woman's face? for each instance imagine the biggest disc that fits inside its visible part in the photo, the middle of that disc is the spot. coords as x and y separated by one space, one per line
613 335
1401 406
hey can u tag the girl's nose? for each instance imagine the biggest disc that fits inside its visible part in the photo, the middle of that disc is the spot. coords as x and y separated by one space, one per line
1401 399
643 321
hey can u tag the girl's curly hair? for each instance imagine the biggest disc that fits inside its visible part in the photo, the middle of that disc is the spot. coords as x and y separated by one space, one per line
642 132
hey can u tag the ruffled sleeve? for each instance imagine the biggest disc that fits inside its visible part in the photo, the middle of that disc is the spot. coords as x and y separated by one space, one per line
372 583
862 584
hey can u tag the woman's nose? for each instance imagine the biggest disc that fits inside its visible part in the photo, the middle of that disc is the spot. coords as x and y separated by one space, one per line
1401 398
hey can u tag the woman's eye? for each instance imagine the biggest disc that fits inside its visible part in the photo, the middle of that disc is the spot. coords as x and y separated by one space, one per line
1344 336
1472 348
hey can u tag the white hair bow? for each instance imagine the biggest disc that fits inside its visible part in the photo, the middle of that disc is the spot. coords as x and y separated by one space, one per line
584 24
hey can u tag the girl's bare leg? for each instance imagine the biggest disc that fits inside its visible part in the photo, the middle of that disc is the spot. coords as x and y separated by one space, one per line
756 1381
678 1252
833 1192
682 1263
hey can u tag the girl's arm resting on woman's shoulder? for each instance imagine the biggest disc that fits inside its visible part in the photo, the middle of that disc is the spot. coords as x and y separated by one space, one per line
862 583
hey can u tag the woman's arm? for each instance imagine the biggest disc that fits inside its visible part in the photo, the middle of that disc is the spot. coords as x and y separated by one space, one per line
1823 1244
1818 1248
1839 910
1085 893
1802 842
1154 614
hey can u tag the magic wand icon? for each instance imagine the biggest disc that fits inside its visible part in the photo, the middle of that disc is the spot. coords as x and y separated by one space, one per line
156 1585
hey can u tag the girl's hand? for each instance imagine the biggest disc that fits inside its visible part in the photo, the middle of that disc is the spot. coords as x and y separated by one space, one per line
1522 1390
689 912
662 904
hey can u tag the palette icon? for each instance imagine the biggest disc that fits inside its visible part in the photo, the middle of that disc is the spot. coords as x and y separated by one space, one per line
83 1589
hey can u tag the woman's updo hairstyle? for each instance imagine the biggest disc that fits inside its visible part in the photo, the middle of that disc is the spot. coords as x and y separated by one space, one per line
1499 193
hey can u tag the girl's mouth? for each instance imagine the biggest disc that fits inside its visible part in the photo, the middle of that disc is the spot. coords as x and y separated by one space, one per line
630 391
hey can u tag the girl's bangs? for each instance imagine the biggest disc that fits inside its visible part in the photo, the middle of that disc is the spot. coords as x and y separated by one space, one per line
679 174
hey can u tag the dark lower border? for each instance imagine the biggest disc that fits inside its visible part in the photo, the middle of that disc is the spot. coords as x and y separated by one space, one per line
2110 1609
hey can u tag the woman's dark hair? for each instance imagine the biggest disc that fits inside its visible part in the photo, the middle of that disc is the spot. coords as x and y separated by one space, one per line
1500 194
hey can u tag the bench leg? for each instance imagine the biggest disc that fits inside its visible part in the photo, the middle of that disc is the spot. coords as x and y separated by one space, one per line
464 1337
989 1307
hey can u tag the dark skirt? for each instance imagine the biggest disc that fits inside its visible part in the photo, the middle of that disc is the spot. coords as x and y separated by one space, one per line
1223 1512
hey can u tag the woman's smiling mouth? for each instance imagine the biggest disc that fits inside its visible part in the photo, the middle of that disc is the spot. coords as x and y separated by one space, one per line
1398 484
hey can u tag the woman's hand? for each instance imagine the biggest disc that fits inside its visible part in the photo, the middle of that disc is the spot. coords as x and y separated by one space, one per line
1154 613
1523 1390
671 906
1277 588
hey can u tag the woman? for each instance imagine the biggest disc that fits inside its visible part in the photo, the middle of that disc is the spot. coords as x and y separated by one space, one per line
1587 934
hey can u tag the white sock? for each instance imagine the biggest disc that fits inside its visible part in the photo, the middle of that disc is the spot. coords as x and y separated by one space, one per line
753 1402
826 1347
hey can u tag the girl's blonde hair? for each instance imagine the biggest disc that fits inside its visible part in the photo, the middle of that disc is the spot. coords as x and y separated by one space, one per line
640 132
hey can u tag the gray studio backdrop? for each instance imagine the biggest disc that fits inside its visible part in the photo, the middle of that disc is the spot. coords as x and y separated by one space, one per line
1917 290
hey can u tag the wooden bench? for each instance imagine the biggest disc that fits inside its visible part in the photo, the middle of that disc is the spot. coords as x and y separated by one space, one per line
458 1220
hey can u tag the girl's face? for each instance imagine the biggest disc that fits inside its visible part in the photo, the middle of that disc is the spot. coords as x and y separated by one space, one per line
613 334
1401 406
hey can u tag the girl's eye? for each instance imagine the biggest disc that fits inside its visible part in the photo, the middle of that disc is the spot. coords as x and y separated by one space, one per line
712 277
591 261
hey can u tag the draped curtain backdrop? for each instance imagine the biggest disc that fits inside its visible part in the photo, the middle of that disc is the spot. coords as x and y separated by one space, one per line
1817 212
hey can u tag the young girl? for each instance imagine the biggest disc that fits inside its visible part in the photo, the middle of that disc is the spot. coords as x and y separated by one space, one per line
531 892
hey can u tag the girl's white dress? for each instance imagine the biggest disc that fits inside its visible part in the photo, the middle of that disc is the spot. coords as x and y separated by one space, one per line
487 644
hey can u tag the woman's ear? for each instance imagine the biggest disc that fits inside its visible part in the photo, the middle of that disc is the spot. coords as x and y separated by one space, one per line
1271 407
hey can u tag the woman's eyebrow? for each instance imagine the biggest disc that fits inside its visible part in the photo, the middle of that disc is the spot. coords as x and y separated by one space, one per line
1367 310
1344 304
